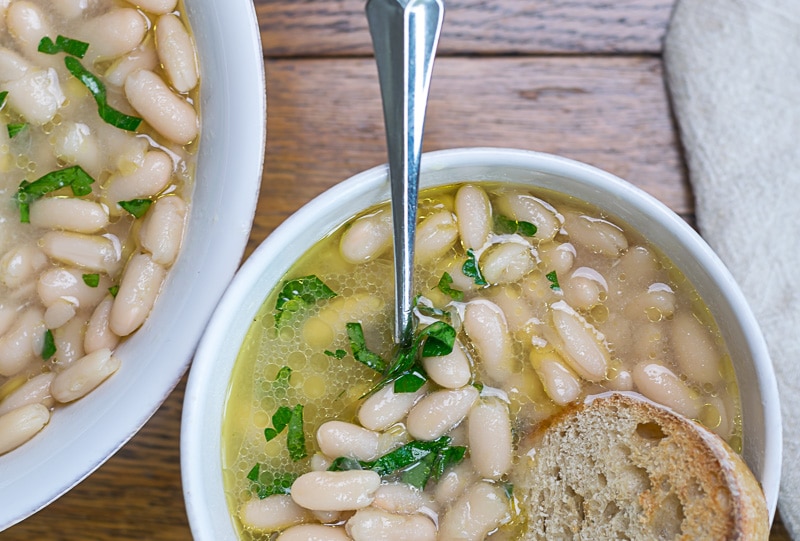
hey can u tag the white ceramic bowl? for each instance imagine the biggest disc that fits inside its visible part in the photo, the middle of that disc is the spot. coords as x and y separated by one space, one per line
209 377
83 435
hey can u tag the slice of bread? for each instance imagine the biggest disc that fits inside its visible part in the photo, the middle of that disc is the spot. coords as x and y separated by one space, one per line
621 467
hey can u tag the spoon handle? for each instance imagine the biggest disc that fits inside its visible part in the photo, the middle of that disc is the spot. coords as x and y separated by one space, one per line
404 37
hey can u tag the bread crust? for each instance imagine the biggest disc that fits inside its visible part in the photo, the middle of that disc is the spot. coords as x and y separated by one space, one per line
621 466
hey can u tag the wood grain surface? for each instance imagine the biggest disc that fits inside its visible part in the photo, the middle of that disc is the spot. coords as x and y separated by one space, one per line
581 78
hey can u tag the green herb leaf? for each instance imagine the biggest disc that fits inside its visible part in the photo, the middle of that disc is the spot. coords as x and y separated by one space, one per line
410 382
444 286
338 354
300 292
136 207
15 127
266 483
281 418
359 347
449 456
270 434
283 375
49 347
28 192
63 45
3 96
98 90
91 280
439 339
553 279
471 269
113 290
345 463
408 454
417 474
505 225
295 438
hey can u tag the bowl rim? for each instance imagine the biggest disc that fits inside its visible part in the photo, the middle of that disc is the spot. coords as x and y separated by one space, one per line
31 477
203 491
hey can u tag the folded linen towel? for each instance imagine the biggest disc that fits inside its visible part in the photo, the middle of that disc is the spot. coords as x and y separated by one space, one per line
733 72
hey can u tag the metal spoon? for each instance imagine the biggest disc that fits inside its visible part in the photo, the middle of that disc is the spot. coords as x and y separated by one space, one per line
404 37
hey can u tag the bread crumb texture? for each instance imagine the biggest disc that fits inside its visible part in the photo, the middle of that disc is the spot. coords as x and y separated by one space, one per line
621 467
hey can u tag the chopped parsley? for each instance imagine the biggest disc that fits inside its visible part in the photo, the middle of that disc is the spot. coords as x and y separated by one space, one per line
91 280
98 90
553 279
298 293
444 286
3 96
471 269
49 348
28 192
338 354
113 290
136 207
505 225
63 44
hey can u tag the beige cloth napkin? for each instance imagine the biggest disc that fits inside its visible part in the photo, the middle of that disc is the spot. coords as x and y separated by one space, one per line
733 71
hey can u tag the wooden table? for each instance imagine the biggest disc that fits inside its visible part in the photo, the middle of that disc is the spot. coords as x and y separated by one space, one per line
581 78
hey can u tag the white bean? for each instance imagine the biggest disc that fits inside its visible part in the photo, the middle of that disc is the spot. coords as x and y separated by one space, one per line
517 310
526 208
436 234
145 181
335 490
385 408
36 96
490 439
338 438
98 334
21 424
454 482
69 341
20 265
70 9
558 257
452 370
74 143
598 235
482 508
695 350
169 114
162 229
155 6
84 375
137 293
22 342
507 263
660 384
637 267
27 24
176 52
113 33
272 514
486 327
68 284
560 383
8 315
655 304
322 329
440 411
69 213
12 65
91 252
400 498
585 288
581 347
474 216
373 524
34 391
367 237
58 313
143 57
314 532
